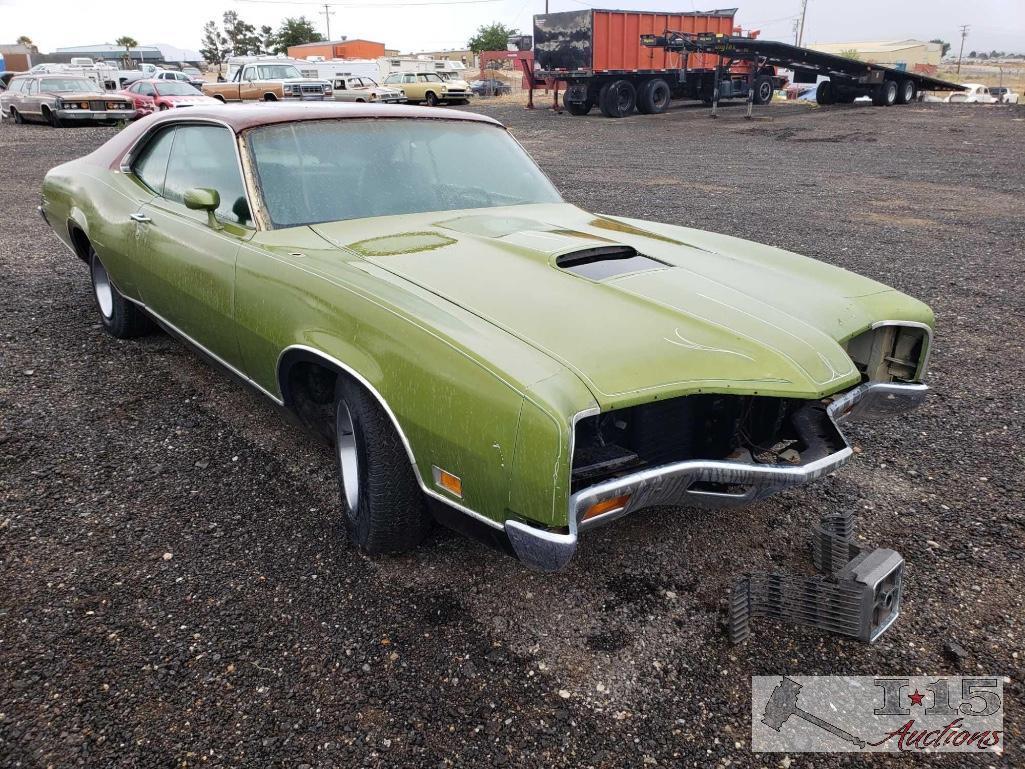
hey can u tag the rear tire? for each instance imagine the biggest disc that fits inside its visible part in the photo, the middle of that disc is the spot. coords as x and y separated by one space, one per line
654 97
383 506
763 90
906 92
886 94
825 93
120 318
618 98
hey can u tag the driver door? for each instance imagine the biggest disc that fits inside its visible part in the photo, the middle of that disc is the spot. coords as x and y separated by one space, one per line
185 264
248 88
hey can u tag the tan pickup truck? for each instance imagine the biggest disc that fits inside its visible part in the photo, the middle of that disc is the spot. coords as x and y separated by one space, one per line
270 81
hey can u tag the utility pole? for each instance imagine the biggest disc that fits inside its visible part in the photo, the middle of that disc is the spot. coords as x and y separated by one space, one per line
328 13
964 34
800 34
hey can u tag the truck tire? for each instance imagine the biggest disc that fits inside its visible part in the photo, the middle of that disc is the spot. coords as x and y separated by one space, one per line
885 94
618 98
577 107
906 92
825 93
763 90
383 506
654 97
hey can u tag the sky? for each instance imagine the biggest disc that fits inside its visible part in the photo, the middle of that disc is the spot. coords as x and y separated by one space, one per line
419 25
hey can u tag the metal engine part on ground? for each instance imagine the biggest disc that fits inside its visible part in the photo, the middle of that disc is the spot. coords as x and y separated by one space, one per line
859 595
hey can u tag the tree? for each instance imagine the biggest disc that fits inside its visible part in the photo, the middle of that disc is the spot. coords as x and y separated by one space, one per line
26 42
128 43
241 36
972 54
851 53
215 47
295 31
268 40
944 43
491 37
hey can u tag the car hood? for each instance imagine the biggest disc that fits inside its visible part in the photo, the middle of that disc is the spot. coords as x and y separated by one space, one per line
85 95
717 314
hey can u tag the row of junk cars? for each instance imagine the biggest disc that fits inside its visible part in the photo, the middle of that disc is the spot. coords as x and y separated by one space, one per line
63 95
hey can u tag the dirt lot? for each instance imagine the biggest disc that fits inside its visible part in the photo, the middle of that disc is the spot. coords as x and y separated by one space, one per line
177 588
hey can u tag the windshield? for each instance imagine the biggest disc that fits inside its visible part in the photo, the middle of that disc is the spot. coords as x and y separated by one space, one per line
329 170
277 72
174 88
68 85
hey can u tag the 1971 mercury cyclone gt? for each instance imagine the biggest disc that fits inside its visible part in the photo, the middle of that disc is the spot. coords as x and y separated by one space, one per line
414 288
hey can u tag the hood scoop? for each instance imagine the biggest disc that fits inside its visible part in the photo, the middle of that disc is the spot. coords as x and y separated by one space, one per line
604 262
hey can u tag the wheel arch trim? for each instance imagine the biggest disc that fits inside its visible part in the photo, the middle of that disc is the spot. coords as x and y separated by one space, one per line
297 353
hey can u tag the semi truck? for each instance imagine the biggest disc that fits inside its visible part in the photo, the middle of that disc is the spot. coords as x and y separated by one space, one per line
598 54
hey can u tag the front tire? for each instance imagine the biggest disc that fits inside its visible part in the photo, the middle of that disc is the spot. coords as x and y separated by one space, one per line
383 506
120 318
16 116
431 99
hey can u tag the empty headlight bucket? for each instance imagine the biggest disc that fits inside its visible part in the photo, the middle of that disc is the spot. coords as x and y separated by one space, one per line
892 351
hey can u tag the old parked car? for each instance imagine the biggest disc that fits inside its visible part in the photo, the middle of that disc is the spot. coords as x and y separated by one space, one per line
973 93
269 81
365 89
490 87
156 95
61 99
415 289
196 81
1003 94
429 87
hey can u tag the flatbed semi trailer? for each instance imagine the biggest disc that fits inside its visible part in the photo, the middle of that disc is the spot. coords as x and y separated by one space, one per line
600 57
848 78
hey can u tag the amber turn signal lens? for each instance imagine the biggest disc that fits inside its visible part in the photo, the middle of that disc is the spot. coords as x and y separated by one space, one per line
606 506
447 481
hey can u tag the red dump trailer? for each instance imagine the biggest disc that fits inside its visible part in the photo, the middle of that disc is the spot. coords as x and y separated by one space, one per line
599 55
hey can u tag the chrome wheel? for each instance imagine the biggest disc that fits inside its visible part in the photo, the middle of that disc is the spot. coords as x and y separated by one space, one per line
102 288
348 456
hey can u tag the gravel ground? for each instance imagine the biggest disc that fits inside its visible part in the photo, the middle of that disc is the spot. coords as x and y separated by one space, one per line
178 589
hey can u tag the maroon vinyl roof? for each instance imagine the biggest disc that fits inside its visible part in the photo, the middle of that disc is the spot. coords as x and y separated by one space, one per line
240 117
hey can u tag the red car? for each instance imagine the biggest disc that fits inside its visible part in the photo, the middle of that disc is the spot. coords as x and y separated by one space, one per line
152 95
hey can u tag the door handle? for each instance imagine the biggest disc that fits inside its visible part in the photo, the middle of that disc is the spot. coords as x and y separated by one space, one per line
142 218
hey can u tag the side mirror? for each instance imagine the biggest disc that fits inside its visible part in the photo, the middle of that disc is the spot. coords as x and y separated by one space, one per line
204 199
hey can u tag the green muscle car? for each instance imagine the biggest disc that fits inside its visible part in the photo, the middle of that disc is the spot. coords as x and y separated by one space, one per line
479 351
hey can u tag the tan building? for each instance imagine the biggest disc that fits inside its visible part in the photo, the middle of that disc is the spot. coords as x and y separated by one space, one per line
465 55
894 53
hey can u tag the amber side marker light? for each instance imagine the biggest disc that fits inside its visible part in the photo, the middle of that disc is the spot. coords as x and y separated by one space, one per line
450 483
606 506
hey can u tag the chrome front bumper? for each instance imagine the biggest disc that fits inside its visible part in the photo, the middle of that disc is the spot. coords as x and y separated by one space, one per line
673 484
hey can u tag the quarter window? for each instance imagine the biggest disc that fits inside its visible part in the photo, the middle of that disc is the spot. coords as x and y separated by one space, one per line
205 156
151 167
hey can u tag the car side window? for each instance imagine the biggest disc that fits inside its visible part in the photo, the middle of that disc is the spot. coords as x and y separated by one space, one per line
151 166
408 78
33 87
205 156
146 89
